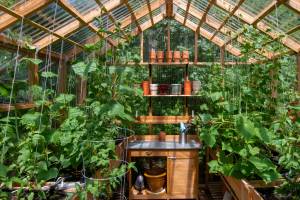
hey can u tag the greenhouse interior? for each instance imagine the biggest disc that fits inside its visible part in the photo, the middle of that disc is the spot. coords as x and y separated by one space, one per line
150 99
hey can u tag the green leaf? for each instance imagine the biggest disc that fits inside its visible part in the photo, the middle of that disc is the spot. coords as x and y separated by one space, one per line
205 118
64 98
34 61
82 69
3 170
262 163
47 175
209 137
246 128
48 75
216 96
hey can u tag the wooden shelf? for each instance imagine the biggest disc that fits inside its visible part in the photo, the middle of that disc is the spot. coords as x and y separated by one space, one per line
163 119
168 64
18 106
133 194
170 95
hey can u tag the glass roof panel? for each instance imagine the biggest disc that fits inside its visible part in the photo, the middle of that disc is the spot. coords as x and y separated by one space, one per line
81 34
120 13
218 13
144 19
222 36
156 12
254 7
234 24
61 46
200 4
103 21
282 19
136 4
193 19
208 28
180 11
84 6
296 35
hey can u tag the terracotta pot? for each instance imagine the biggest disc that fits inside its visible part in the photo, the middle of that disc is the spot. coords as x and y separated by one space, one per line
185 56
160 56
169 56
177 56
152 56
162 136
187 87
156 179
146 87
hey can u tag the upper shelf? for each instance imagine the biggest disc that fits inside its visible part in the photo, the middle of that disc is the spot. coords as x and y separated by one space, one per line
18 106
163 119
168 64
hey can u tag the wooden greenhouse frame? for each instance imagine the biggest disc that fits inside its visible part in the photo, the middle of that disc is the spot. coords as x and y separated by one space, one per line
143 15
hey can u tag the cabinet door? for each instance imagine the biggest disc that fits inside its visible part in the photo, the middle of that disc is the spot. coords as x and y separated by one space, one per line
182 177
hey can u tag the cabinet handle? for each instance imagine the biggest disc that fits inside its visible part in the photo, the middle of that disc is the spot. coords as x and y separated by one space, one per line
148 153
172 158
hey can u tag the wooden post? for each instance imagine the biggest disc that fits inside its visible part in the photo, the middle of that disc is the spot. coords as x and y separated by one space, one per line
168 39
142 46
196 47
62 77
298 72
81 90
33 76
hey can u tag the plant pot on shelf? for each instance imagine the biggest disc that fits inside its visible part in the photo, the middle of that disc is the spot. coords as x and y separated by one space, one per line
196 86
152 56
169 56
175 89
160 56
176 56
146 87
164 89
156 179
185 56
154 89
187 87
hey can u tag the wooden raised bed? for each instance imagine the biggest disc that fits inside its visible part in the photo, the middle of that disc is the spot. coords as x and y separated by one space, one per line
163 119
244 189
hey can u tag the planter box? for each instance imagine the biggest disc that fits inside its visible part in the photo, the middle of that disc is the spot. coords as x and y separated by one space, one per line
244 189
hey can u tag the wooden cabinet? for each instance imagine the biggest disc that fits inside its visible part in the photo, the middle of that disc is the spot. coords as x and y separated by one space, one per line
182 175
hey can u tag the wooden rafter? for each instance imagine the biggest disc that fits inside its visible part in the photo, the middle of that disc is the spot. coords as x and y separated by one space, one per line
70 9
207 35
187 11
292 30
294 5
245 17
203 18
169 8
215 24
139 13
75 24
150 12
228 17
36 25
132 14
12 45
24 9
274 4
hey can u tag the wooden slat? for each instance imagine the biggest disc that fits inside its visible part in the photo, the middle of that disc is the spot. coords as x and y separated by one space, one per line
274 4
203 18
150 12
294 5
11 45
70 9
196 47
133 14
36 25
187 11
24 9
75 25
163 119
292 30
227 18
245 17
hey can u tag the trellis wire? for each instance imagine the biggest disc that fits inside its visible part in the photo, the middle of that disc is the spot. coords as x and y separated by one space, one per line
12 86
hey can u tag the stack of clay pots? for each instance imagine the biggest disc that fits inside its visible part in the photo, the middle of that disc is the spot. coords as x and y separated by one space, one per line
187 87
176 56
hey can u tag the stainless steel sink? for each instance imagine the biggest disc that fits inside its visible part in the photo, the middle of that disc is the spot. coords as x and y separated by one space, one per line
192 144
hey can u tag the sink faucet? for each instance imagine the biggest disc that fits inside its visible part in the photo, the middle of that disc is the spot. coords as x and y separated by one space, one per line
183 132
